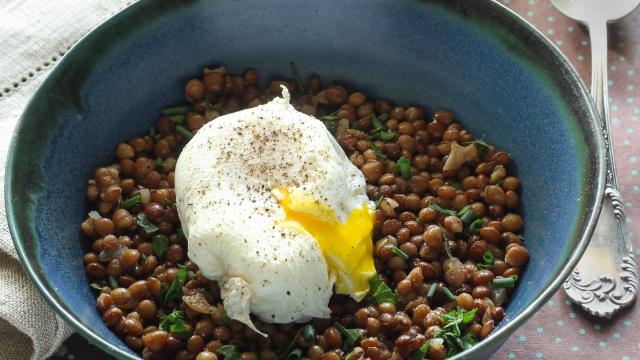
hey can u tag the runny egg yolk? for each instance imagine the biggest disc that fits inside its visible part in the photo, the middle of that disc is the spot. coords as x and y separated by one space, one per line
347 247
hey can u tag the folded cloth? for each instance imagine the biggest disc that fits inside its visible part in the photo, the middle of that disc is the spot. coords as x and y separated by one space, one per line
34 35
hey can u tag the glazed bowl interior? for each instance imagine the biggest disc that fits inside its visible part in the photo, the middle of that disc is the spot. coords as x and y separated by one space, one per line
502 80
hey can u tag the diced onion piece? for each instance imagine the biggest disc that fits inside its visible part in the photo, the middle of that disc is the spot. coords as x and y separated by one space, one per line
95 215
498 296
459 155
110 255
145 196
388 206
198 303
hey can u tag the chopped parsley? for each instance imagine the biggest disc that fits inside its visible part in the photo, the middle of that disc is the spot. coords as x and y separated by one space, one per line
480 144
145 223
160 244
230 352
174 324
421 353
174 292
404 166
487 261
456 321
350 336
380 292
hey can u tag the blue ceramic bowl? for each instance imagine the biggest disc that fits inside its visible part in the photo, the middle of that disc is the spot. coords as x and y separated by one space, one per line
502 78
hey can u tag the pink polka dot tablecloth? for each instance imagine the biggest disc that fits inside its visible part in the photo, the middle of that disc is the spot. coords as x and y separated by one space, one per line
561 330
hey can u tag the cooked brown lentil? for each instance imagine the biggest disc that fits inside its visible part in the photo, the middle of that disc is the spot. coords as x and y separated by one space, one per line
407 219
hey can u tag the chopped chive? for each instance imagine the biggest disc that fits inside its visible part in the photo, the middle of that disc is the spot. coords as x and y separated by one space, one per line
95 286
468 217
159 163
447 246
449 294
152 131
177 119
308 332
176 110
457 185
399 253
135 199
507 282
296 75
442 210
355 125
113 283
184 132
420 221
405 167
432 290
475 226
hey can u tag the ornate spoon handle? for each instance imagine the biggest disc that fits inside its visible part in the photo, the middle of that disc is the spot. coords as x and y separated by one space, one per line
606 278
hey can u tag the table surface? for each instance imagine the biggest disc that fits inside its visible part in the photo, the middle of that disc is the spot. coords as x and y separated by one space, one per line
561 330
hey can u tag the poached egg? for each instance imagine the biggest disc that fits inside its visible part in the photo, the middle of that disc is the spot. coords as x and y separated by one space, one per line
274 211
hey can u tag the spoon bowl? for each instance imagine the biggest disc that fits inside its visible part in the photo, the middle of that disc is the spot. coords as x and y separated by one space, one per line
589 10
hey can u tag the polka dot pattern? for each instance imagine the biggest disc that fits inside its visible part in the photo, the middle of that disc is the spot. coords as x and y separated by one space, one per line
560 329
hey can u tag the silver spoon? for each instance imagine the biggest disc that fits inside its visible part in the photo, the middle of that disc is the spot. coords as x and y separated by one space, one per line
606 278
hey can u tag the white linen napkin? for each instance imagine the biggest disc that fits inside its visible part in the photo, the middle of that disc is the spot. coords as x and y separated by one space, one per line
34 35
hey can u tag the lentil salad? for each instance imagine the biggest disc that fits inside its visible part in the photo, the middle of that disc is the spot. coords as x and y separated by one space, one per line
447 247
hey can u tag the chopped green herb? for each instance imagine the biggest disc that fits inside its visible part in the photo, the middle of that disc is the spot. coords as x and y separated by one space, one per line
145 223
405 167
467 217
421 353
177 119
379 201
152 131
174 292
296 75
378 151
419 221
447 246
113 282
399 253
432 290
380 292
350 335
294 355
355 125
159 163
442 210
95 286
449 294
456 321
160 244
480 144
475 226
377 122
308 332
507 282
230 352
184 132
176 110
169 203
174 324
135 199
457 185
382 135
225 318
487 261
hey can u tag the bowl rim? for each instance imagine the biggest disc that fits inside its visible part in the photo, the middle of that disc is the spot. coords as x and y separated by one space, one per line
497 338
